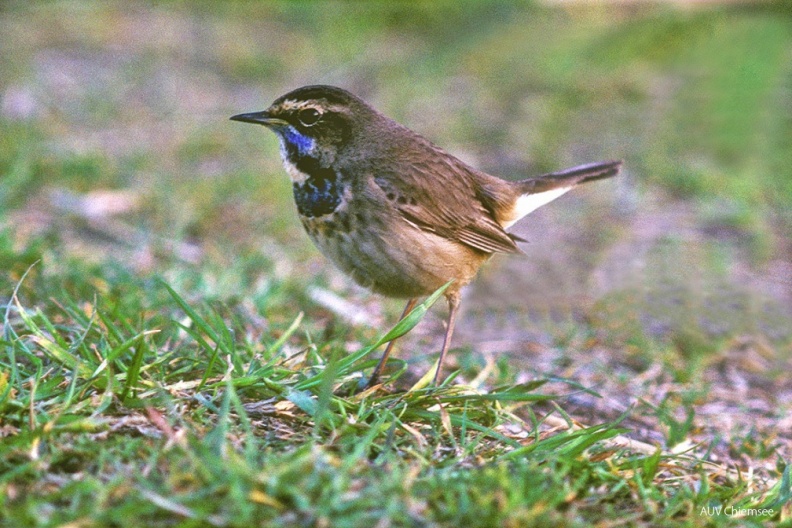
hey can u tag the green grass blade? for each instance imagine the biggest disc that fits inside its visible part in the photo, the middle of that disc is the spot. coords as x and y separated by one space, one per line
325 393
459 421
134 368
116 352
199 321
403 326
272 349
302 399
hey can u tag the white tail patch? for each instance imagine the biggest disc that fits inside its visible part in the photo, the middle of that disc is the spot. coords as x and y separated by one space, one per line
528 202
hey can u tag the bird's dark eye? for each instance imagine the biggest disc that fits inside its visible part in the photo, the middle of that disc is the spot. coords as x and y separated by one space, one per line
309 116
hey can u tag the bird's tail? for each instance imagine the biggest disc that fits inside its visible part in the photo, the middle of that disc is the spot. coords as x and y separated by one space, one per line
536 192
570 177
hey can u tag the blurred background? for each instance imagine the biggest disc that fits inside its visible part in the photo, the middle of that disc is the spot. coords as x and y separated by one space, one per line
117 160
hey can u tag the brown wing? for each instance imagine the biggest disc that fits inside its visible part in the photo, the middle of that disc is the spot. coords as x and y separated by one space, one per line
440 194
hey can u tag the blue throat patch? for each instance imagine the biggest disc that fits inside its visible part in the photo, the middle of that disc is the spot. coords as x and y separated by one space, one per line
293 140
320 193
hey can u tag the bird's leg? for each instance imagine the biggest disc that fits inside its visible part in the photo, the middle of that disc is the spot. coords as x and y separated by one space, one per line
381 365
453 305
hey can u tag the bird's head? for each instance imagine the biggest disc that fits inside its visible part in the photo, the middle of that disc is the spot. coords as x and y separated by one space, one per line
313 121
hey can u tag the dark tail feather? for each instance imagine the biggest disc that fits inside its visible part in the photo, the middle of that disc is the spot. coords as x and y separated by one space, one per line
570 177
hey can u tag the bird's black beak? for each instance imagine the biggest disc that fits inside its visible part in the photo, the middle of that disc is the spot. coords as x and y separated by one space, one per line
259 118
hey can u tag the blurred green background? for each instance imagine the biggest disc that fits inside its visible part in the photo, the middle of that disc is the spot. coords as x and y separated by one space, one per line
116 150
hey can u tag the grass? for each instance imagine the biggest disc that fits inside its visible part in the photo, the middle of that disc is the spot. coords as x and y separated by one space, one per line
192 415
165 361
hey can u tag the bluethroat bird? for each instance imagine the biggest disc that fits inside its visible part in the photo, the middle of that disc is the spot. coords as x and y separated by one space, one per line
398 214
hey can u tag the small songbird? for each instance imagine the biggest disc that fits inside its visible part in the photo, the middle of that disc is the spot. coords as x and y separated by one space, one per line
398 214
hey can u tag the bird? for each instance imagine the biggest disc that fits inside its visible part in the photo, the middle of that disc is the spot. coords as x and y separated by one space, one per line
398 214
